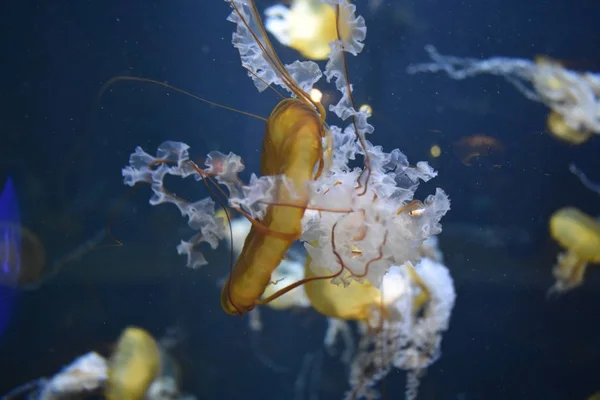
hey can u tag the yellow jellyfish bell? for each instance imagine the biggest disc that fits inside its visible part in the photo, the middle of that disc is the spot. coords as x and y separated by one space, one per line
133 366
307 26
559 129
579 234
352 302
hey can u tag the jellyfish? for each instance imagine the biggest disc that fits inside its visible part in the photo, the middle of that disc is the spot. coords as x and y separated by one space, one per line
307 26
354 222
401 324
579 235
336 301
139 368
85 376
350 203
558 128
133 366
573 97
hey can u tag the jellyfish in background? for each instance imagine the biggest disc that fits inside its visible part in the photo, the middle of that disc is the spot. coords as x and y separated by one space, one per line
25 263
579 235
573 97
307 26
139 368
10 251
133 366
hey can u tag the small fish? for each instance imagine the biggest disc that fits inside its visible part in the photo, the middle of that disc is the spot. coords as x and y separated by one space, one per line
10 253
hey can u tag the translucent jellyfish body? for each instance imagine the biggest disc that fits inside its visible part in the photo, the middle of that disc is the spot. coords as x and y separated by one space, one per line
307 26
357 222
405 329
573 97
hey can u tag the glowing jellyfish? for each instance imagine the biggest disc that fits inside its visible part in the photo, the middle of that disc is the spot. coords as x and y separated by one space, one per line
10 251
307 26
579 235
133 366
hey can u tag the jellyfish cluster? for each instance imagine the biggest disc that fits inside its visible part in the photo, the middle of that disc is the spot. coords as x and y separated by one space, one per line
330 222
350 203
573 98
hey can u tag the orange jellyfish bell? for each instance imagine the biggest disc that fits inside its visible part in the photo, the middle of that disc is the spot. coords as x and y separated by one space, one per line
27 259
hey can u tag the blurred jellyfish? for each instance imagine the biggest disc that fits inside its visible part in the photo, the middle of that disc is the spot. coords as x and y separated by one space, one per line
140 368
473 147
10 251
23 256
573 97
579 235
558 128
595 396
34 270
133 366
308 26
